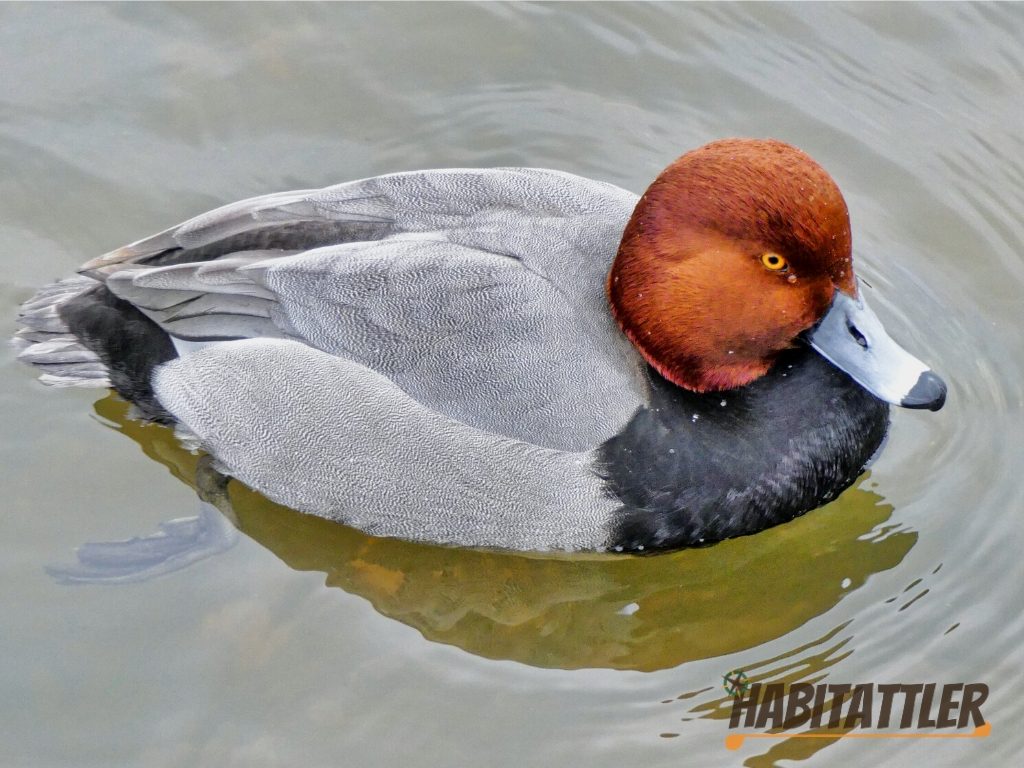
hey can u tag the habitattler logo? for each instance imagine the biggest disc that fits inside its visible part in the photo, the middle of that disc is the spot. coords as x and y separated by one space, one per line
854 710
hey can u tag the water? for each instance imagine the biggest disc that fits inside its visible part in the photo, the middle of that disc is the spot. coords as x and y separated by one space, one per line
306 643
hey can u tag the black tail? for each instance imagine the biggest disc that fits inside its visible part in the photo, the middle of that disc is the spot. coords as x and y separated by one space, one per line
128 343
78 333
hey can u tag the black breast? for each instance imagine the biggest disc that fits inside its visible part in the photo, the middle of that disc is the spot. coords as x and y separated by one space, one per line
692 469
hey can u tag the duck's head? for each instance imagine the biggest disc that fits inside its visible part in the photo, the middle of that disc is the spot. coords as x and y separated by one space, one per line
736 252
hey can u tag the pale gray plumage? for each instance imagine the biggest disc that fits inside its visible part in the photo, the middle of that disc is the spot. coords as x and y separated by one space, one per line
455 328
326 435
485 302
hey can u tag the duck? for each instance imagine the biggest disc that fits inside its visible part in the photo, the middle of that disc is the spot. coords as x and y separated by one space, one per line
511 358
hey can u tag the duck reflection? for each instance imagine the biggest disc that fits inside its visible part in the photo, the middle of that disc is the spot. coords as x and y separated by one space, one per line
561 610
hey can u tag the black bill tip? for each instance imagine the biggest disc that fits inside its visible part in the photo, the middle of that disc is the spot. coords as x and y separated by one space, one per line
929 392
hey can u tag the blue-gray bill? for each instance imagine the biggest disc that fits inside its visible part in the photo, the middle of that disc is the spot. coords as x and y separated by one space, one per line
852 338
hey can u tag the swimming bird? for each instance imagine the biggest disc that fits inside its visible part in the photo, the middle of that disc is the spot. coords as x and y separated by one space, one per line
515 357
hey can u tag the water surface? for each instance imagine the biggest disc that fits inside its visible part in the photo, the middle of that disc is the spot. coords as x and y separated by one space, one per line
301 642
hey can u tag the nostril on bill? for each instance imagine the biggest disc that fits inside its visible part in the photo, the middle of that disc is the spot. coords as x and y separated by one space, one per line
857 335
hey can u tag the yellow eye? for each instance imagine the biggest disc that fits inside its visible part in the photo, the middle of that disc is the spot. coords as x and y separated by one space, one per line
774 262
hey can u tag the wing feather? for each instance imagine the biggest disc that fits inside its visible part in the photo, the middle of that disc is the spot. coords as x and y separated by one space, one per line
479 292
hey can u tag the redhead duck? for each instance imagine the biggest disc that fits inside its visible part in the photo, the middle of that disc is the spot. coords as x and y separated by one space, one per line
516 357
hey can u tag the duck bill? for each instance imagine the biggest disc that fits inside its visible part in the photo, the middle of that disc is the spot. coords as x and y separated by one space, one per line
852 338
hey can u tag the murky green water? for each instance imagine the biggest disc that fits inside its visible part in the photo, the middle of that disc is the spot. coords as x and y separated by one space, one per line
309 644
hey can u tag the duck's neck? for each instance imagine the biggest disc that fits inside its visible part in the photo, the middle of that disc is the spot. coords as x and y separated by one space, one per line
692 469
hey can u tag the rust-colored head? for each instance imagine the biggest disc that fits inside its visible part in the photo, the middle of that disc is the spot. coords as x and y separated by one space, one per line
735 249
